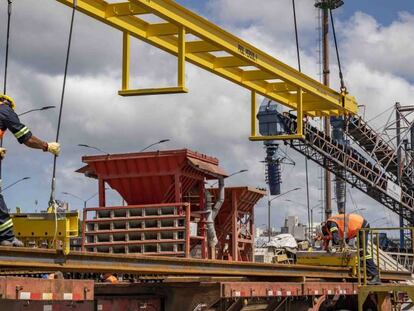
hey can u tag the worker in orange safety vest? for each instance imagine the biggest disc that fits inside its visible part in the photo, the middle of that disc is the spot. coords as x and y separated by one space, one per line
333 230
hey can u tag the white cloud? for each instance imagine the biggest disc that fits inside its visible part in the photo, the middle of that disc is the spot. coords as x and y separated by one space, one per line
380 48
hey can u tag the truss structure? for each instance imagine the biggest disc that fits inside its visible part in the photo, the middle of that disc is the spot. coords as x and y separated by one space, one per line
358 171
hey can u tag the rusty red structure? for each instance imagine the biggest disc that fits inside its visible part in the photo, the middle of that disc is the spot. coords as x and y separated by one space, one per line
235 223
166 207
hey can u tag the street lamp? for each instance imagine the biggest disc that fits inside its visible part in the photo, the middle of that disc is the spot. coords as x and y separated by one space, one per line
329 4
16 182
92 147
157 143
269 205
37 109
232 174
79 198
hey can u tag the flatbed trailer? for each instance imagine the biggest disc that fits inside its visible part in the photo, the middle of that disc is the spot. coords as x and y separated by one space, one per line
175 284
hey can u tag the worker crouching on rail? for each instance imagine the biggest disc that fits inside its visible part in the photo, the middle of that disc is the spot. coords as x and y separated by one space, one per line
333 230
9 120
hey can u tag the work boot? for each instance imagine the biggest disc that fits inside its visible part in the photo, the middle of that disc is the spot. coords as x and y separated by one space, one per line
375 280
13 242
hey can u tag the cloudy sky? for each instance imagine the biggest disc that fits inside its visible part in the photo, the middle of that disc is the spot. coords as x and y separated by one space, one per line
377 44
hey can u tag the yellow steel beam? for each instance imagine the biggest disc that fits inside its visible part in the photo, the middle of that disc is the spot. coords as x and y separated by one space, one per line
162 29
181 57
201 47
253 132
125 61
123 9
229 61
257 75
280 87
317 99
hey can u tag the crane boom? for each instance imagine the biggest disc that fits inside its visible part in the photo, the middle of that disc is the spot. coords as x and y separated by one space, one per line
192 38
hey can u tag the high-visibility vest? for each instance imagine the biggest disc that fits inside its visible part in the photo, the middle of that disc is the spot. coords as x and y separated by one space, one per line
353 222
2 132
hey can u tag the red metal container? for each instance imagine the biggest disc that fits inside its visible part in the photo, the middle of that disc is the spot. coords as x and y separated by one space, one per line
31 294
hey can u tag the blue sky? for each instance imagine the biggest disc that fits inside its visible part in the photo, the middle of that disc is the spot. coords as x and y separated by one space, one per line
385 11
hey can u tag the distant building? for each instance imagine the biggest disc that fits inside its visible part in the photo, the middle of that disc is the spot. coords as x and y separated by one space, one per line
293 227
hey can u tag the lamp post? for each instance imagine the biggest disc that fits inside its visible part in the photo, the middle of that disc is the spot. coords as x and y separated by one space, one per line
79 198
269 205
156 143
16 182
232 174
37 109
92 147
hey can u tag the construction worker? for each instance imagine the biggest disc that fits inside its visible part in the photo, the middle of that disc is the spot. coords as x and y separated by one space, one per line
10 121
333 230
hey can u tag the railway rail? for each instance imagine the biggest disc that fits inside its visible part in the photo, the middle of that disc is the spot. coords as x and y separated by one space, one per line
15 259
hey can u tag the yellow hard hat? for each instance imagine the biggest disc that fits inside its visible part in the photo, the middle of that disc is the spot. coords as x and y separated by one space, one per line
9 100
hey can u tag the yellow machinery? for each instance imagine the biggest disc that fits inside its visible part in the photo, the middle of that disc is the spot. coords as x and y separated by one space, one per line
373 248
45 230
192 38
348 258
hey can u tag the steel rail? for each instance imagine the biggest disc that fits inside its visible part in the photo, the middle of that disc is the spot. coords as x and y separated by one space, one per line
49 260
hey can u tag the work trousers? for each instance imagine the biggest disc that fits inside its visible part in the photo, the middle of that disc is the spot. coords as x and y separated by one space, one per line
6 223
372 269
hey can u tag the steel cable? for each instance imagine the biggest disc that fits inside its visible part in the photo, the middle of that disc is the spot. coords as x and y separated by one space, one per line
6 65
341 76
306 159
52 200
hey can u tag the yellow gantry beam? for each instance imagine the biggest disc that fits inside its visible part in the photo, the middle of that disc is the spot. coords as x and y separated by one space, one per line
194 39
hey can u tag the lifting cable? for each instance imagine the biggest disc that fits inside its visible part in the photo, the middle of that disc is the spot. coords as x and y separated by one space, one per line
52 200
341 76
306 159
53 184
6 63
343 91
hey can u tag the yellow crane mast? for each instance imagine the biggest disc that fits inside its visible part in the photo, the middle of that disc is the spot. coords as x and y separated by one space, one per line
192 38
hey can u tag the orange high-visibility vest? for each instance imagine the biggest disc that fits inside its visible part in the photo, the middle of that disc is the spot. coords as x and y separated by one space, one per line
353 221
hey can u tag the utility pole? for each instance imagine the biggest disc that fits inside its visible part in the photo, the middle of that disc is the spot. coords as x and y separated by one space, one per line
327 123
326 6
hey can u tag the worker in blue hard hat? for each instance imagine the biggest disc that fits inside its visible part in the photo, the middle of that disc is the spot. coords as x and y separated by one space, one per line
10 121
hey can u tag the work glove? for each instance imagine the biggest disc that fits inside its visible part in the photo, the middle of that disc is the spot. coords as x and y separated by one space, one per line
8 99
53 148
331 250
3 153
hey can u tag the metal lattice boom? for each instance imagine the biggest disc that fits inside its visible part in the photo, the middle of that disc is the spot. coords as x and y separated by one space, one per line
359 172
